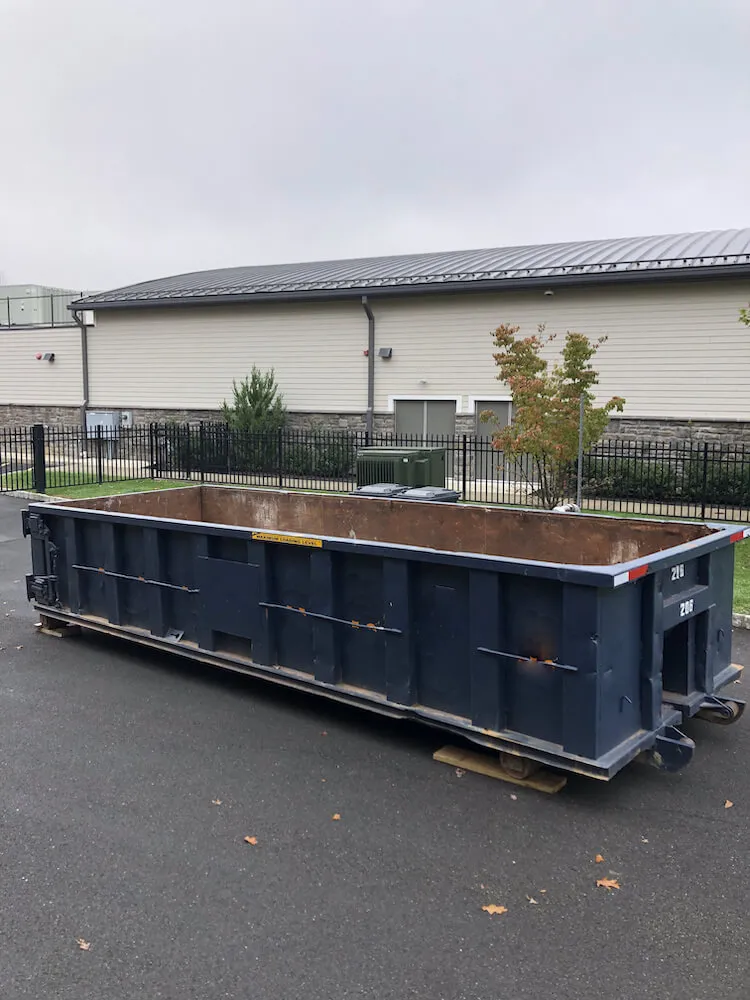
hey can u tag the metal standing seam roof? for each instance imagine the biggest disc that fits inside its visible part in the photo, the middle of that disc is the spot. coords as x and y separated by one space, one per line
725 251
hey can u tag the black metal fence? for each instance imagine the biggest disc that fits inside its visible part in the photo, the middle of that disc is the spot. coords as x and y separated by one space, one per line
684 479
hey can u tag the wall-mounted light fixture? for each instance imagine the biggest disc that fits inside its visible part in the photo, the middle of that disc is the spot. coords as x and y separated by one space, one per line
385 353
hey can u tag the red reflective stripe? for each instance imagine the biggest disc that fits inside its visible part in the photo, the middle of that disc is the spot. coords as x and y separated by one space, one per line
737 536
638 572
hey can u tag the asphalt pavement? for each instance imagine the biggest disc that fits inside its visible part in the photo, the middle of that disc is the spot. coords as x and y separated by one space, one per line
129 780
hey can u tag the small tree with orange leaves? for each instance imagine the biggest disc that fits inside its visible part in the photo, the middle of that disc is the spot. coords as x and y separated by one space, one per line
546 406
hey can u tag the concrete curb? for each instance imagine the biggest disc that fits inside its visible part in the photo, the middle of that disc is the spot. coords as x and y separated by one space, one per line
741 621
30 495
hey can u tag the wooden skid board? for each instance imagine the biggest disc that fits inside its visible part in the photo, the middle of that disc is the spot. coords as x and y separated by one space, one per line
481 763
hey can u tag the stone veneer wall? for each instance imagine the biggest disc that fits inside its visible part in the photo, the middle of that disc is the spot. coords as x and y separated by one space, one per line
623 428
13 415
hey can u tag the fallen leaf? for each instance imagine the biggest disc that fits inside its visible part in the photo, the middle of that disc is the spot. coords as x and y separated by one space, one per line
532 900
83 945
215 802
598 859
336 816
495 909
514 797
251 840
728 804
607 883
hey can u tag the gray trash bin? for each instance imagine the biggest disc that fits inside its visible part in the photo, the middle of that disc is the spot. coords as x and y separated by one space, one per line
381 490
435 494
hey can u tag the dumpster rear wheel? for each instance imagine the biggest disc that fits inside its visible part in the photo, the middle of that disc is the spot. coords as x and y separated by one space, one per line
518 767
721 711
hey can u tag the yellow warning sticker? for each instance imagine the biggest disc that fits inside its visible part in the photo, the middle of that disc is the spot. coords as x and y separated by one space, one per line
272 536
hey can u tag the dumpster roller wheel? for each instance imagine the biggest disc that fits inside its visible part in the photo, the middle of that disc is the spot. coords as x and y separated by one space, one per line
720 711
518 767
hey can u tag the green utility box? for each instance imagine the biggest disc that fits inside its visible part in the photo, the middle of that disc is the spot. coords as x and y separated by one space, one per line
406 466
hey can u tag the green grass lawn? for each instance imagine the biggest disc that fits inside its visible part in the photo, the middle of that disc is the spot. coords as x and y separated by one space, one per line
86 490
742 577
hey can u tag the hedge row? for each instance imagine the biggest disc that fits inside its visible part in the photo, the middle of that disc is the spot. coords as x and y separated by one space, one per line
690 480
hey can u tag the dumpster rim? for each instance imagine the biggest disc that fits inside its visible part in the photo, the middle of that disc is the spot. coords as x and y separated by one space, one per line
610 577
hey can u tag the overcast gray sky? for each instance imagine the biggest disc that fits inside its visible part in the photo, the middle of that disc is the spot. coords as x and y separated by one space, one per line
148 137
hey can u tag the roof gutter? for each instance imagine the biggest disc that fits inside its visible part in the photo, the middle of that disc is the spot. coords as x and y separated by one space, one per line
370 416
736 271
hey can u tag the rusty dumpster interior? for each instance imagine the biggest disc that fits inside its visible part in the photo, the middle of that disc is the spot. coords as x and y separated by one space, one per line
516 534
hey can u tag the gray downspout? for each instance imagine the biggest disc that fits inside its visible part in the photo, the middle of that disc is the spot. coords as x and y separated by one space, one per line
84 367
369 418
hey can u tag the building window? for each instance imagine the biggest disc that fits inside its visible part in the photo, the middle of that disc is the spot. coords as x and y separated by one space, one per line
425 417
502 411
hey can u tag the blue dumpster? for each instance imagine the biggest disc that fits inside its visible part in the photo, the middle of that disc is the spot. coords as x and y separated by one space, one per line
579 642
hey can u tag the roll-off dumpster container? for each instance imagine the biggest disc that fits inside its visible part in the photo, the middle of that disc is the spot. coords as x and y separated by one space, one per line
573 640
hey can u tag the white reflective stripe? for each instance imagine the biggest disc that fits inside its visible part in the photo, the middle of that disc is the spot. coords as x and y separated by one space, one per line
621 578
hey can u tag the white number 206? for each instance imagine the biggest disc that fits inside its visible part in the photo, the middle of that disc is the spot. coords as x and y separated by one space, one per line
686 608
678 572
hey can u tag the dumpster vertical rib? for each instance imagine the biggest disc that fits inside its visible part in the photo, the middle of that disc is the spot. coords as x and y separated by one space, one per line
488 677
580 690
264 642
400 663
652 646
325 660
111 583
154 570
205 634
72 530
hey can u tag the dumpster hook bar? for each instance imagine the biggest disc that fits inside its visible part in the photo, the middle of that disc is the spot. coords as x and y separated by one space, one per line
369 626
136 579
527 659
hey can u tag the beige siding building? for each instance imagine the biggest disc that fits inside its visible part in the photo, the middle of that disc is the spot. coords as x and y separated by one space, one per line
669 307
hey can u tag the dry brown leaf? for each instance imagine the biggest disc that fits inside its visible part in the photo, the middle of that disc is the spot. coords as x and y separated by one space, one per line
460 772
532 900
215 802
607 883
598 859
83 945
495 909
728 804
251 840
336 816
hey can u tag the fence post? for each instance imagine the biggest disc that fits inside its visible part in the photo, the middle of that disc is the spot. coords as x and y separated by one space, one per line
579 471
151 451
39 471
704 490
202 451
463 467
99 458
280 455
